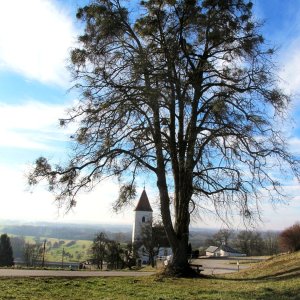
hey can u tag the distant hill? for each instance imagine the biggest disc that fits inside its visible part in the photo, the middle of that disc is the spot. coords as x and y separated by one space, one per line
77 231
67 231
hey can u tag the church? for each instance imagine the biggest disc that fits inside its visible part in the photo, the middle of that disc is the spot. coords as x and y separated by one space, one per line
142 225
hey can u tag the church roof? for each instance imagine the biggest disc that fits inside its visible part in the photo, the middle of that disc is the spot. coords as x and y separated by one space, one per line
143 204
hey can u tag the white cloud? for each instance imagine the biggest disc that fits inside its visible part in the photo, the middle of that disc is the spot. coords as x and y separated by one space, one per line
34 125
31 125
294 145
35 38
290 72
283 215
17 203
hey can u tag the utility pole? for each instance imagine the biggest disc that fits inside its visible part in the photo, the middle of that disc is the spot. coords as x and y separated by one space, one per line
44 250
62 258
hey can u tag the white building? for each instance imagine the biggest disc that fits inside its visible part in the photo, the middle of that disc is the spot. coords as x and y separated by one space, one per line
142 218
222 251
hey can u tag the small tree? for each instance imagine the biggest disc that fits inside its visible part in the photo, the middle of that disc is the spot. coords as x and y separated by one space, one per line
289 239
6 252
32 254
99 249
222 237
113 254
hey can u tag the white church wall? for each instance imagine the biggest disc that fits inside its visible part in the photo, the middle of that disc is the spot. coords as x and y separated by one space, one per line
142 219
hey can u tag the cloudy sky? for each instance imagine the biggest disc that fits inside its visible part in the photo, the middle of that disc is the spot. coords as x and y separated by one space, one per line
35 39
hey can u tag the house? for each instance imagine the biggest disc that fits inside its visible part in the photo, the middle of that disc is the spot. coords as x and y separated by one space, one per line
211 251
222 251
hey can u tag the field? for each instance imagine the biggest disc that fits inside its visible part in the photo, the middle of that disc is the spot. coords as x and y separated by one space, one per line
74 250
276 278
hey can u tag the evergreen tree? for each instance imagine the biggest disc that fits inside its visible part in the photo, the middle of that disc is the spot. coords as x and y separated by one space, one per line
6 252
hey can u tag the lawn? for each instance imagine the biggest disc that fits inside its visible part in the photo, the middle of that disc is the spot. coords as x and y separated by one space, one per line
276 278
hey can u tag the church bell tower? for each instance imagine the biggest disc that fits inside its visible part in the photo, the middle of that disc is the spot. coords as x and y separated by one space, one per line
142 217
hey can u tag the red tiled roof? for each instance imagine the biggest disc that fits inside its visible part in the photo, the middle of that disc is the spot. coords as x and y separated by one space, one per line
143 204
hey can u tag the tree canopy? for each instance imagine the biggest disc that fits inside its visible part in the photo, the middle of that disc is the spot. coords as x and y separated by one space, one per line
185 90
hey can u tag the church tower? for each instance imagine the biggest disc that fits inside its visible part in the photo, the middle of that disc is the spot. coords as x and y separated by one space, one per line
142 218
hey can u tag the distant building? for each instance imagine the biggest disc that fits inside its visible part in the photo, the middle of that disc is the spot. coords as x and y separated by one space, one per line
211 251
143 217
222 251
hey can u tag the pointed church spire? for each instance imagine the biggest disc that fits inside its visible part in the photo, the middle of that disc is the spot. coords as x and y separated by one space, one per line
143 204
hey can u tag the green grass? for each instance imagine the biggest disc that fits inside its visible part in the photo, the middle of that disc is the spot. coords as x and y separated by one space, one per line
277 278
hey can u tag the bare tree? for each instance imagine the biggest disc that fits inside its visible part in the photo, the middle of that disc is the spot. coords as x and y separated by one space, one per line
186 91
32 254
250 242
222 236
271 240
289 238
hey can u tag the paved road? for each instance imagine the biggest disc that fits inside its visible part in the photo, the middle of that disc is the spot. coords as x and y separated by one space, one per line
55 273
211 267
222 265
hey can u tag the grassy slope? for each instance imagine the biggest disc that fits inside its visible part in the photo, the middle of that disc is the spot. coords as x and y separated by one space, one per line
277 267
277 278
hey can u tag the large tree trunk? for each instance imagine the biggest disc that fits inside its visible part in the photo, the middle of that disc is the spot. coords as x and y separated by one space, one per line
178 235
179 265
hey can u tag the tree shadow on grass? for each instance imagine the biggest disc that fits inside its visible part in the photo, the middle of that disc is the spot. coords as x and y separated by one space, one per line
278 276
266 293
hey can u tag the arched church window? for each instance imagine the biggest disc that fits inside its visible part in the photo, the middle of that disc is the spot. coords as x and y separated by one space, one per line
143 219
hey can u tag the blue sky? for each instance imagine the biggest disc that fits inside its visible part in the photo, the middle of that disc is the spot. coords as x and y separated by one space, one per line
35 39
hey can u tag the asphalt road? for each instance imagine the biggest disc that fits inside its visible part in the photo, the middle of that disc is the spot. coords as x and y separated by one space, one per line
211 267
59 273
222 265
